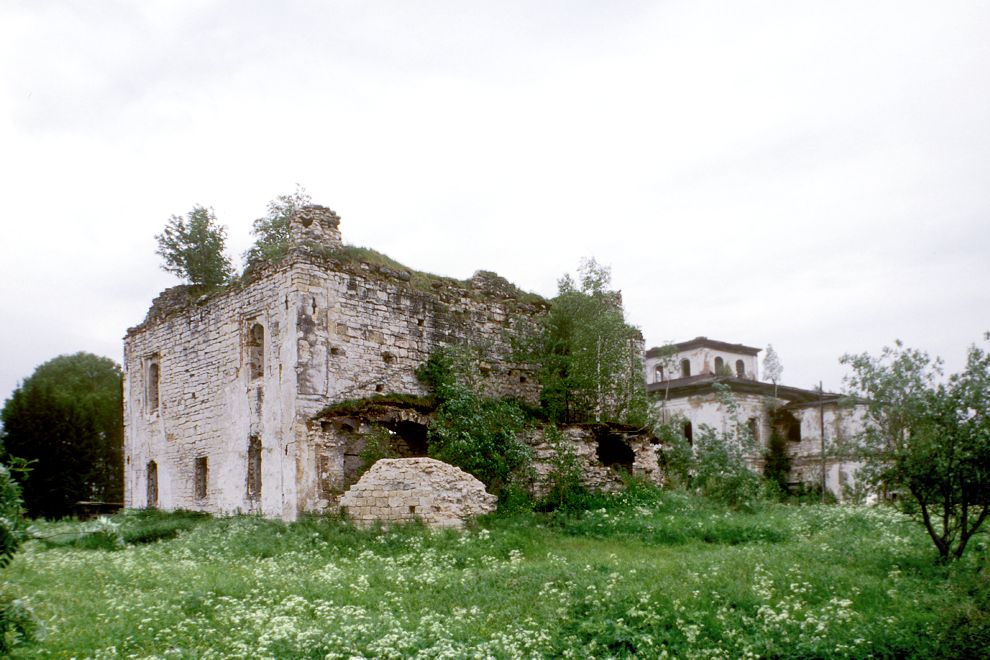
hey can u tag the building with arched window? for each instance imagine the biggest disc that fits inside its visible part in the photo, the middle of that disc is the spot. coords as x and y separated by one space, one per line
804 417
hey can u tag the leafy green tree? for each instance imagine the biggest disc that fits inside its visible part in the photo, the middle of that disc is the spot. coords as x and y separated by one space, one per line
772 367
589 359
929 437
65 420
193 248
271 231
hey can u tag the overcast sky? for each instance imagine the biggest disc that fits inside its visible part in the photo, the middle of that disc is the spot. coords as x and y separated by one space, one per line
814 175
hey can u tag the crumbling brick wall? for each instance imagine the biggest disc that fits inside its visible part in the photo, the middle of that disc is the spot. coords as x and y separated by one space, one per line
424 489
604 453
255 362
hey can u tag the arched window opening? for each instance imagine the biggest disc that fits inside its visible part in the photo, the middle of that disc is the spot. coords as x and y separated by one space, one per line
256 351
153 381
254 468
719 365
658 374
689 432
740 369
685 368
754 430
152 484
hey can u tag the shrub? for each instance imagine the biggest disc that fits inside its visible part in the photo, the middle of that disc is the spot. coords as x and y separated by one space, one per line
16 621
562 484
476 433
378 444
12 528
777 462
721 472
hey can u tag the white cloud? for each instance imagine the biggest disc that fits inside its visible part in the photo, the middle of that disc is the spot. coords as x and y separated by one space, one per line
811 175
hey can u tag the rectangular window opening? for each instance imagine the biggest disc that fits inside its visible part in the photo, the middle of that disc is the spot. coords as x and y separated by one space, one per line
202 470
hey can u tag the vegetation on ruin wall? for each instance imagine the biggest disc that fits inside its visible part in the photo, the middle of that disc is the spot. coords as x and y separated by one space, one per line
588 359
192 247
646 572
419 280
376 402
479 434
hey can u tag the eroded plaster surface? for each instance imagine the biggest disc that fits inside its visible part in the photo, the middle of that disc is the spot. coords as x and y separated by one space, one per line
252 364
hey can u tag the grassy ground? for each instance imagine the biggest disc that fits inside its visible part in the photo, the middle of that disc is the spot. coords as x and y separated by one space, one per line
649 574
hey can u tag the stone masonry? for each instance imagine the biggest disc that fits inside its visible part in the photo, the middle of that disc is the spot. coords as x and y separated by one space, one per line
406 489
219 391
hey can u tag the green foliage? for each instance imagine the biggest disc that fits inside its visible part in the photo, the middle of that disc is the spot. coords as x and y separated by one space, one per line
588 357
271 232
193 248
716 465
66 420
361 406
378 444
929 437
130 527
562 487
18 624
139 526
777 462
478 434
419 280
772 367
647 572
678 454
721 472
16 621
12 528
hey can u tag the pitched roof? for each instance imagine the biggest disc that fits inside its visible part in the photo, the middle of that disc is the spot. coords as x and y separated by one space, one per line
699 342
703 383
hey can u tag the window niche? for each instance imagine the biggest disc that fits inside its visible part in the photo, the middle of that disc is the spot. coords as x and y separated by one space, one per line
719 365
740 369
688 432
254 468
685 368
753 427
201 477
255 350
152 473
152 382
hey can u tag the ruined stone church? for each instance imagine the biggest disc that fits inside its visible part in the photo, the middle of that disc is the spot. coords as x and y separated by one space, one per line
220 395
226 397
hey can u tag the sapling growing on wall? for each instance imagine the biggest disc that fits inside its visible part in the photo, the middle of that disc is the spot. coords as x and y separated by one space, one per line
271 231
192 247
772 367
588 357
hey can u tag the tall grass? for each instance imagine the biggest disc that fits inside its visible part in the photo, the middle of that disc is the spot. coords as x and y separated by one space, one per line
645 573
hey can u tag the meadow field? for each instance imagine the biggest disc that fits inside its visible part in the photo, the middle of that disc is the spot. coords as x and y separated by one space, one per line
646 573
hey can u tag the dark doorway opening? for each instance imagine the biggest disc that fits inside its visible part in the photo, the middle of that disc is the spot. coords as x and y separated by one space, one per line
613 452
